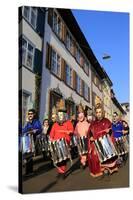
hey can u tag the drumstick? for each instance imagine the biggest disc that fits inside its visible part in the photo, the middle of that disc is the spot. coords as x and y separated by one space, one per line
104 130
64 131
28 132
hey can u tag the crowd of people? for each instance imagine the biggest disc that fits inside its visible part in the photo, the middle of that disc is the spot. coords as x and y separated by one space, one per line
100 143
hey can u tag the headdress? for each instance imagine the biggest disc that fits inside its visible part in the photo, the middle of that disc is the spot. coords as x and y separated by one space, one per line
61 106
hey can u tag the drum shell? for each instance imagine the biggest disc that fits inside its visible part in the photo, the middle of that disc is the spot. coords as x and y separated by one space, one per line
27 144
59 150
83 145
105 148
122 145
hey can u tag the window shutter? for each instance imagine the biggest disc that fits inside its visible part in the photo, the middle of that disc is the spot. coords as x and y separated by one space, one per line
74 80
74 49
63 70
83 88
48 56
81 60
88 94
19 14
63 33
40 22
50 17
37 68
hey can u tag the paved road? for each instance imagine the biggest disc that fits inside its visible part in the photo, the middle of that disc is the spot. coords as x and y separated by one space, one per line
44 179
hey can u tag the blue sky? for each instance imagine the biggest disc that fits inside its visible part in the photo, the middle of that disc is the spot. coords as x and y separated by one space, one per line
108 32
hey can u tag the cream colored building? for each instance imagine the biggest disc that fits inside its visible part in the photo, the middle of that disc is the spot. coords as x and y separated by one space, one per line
116 106
126 108
107 102
67 65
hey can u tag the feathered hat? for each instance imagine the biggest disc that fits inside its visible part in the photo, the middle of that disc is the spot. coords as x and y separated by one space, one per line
61 106
80 108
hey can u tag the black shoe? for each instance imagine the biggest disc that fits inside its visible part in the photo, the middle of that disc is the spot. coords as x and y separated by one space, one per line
29 174
106 172
82 167
60 176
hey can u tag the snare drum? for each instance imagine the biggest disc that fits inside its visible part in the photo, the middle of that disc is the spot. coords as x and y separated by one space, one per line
27 144
122 146
83 145
42 143
74 141
59 150
105 148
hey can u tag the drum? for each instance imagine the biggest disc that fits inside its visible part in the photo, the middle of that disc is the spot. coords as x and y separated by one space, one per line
42 143
105 148
27 144
82 145
74 141
122 145
59 150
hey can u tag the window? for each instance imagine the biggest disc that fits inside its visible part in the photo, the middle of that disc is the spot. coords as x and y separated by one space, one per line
100 86
30 13
86 67
78 54
55 63
27 53
69 42
25 103
68 75
57 25
86 91
78 85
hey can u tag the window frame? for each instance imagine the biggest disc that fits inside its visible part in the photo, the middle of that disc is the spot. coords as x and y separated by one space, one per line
29 18
78 87
55 27
85 89
56 62
33 54
70 74
29 96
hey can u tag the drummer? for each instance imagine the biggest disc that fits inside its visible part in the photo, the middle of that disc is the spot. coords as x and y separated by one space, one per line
81 129
62 128
117 126
33 126
118 132
99 127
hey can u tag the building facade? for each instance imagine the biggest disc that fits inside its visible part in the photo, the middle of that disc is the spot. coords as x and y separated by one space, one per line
126 108
69 65
31 34
116 106
56 61
107 101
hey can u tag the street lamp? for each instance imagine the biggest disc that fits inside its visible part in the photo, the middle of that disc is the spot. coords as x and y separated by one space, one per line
106 56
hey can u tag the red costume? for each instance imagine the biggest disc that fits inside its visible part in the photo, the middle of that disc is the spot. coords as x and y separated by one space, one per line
59 131
97 129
